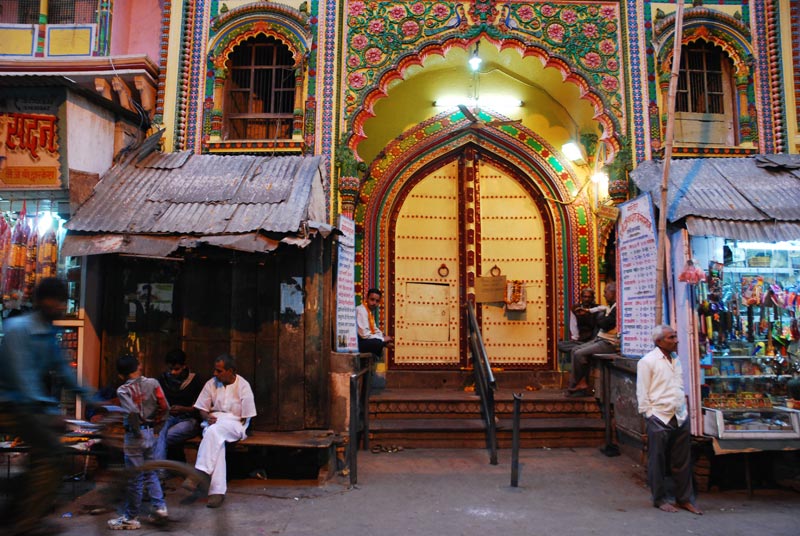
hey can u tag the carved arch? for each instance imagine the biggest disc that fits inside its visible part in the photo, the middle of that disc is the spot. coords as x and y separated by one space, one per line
611 129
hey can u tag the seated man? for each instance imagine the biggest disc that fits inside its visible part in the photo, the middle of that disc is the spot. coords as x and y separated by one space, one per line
582 322
606 342
370 337
181 387
226 405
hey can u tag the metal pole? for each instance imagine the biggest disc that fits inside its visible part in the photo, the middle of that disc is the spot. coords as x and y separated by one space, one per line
669 136
515 441
353 454
609 449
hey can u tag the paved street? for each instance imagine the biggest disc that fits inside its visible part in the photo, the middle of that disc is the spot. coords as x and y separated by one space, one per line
456 492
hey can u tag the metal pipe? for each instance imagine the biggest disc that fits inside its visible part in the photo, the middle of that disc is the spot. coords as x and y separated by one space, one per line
515 441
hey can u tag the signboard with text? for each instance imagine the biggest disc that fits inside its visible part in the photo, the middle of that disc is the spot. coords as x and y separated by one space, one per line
29 143
346 331
636 235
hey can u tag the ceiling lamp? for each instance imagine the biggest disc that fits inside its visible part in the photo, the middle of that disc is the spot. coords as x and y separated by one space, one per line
573 152
475 60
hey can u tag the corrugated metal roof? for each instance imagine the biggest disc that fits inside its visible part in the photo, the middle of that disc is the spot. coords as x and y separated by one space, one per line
184 193
731 189
749 231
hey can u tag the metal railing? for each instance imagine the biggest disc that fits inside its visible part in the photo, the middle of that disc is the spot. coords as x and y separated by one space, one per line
485 384
359 412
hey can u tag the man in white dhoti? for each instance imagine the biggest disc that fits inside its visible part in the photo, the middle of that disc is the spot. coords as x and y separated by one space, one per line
226 405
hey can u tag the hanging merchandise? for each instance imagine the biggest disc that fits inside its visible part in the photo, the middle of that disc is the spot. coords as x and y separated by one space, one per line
692 274
30 259
14 276
47 256
5 240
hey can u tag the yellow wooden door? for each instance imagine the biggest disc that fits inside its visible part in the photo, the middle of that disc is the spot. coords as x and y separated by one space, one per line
455 224
511 237
426 273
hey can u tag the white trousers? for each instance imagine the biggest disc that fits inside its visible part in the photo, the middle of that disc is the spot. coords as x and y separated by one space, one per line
211 454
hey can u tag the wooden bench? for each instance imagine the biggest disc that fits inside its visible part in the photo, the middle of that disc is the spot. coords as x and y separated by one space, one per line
302 439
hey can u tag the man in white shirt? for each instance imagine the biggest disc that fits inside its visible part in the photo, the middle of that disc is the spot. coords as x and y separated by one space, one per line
659 390
226 405
370 337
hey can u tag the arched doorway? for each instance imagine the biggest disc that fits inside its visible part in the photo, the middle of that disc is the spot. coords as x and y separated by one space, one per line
466 215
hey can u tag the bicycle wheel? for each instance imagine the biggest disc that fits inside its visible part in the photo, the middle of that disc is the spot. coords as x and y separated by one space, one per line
185 490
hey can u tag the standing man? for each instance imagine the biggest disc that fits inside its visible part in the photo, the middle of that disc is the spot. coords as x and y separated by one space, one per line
29 355
659 390
226 405
581 322
370 337
606 342
181 386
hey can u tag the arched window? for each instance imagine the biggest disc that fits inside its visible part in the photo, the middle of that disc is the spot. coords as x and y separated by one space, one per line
704 102
259 95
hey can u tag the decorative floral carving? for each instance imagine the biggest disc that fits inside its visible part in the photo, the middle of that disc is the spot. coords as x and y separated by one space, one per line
384 31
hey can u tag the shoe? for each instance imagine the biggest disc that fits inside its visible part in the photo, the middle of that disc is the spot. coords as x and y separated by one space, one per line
161 513
215 500
189 484
124 523
578 393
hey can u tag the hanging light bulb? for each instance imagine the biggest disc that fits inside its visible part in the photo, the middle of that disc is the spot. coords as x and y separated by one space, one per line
475 60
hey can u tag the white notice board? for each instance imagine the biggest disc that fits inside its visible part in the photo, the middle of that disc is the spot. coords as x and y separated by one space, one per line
346 332
636 288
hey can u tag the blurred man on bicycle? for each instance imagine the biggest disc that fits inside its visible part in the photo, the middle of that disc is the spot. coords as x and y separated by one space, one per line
30 355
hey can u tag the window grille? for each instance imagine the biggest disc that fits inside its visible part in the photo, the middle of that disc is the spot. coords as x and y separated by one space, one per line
72 11
700 82
260 91
19 11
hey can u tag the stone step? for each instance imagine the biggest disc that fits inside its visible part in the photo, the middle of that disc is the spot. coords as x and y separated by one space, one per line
469 433
458 404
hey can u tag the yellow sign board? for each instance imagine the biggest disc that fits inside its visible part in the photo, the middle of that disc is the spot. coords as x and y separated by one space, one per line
490 289
29 151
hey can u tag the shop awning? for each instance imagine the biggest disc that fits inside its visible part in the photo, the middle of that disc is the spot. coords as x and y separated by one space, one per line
155 204
754 198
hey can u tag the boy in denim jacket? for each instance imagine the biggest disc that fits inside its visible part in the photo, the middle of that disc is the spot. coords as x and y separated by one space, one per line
146 405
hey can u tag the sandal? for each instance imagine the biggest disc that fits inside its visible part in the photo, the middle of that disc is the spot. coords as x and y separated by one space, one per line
376 449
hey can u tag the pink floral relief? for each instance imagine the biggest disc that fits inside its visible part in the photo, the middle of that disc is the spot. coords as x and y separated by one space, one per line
397 13
525 13
375 26
353 61
410 28
357 9
610 83
357 80
373 55
569 16
608 12
359 41
592 60
418 8
607 46
555 32
440 11
612 64
590 30
548 10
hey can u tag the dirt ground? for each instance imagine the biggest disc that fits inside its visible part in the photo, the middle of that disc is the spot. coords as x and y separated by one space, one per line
456 492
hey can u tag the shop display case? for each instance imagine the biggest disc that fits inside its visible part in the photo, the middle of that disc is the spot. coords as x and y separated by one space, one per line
748 337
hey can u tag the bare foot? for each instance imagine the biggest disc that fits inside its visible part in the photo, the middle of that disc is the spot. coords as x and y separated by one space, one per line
691 508
668 507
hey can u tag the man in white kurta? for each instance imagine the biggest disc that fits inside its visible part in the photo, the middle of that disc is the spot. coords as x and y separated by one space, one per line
226 404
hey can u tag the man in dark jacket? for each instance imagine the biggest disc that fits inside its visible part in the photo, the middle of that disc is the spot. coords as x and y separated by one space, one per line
181 386
606 342
582 323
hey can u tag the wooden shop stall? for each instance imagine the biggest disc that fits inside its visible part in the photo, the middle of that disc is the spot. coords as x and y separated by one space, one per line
217 254
735 294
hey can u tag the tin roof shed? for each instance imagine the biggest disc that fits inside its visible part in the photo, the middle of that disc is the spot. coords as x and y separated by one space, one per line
755 198
155 203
